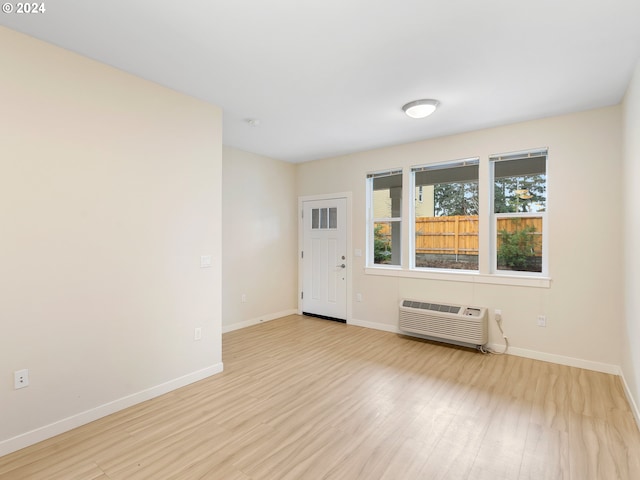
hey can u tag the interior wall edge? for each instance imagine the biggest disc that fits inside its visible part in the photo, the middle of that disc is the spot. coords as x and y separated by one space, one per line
632 403
257 320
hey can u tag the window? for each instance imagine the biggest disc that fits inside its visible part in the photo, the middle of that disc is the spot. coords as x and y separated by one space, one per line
519 212
445 215
385 217
324 218
472 220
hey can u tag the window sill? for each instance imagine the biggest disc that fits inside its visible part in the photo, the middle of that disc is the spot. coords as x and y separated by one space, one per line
456 276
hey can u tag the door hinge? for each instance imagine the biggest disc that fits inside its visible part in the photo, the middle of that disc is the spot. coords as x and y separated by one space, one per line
301 295
302 254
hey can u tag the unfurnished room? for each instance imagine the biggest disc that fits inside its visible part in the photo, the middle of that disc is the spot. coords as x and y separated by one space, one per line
261 240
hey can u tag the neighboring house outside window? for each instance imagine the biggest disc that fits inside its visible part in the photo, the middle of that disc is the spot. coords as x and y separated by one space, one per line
385 217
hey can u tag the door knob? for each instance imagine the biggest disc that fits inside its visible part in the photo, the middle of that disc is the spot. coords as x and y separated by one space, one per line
342 265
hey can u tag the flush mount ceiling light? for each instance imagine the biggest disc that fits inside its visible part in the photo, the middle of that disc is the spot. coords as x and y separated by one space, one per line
420 108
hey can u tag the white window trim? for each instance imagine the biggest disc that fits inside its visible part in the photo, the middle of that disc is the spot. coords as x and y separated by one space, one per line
412 223
486 237
494 216
466 276
370 260
412 215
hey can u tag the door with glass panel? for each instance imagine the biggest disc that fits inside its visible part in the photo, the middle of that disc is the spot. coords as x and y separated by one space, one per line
324 258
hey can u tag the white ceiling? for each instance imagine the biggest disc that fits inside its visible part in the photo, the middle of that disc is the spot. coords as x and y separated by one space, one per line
327 77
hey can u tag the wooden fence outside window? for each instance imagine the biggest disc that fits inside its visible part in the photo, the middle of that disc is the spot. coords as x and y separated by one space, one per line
458 235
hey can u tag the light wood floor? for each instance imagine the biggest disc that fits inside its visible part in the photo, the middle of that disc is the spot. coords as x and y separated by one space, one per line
303 398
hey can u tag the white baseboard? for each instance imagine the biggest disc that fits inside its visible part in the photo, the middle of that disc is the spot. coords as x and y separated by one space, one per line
559 359
373 325
632 402
257 320
535 355
34 436
518 352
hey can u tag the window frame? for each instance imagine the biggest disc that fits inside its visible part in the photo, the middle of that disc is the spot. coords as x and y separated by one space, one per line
412 211
331 221
371 220
487 273
494 217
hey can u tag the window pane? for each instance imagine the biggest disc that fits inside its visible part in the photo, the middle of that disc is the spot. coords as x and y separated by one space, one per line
333 217
519 244
520 185
519 211
323 218
465 171
387 196
315 218
386 243
446 216
447 242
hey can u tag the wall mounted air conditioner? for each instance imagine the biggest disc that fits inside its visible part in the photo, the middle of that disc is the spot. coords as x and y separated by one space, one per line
445 322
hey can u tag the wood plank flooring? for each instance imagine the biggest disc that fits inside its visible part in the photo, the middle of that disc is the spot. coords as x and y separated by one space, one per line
304 398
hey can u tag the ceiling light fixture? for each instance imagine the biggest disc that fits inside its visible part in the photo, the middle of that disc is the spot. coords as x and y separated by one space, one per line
420 108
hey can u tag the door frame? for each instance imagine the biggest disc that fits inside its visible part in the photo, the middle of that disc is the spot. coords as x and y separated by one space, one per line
328 196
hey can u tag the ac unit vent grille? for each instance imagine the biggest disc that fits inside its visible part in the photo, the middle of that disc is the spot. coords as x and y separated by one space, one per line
431 306
456 323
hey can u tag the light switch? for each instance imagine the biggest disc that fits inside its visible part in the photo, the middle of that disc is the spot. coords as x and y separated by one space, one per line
205 261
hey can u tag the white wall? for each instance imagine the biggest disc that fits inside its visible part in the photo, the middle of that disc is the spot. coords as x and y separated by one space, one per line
110 190
584 302
259 239
631 341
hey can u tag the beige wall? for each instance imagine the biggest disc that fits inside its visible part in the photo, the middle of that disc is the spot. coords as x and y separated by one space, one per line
631 340
110 190
584 303
259 239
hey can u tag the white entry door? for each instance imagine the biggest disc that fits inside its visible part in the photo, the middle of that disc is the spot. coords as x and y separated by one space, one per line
324 258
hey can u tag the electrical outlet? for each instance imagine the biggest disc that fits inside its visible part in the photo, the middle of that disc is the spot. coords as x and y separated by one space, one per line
358 297
498 315
197 333
20 379
542 320
243 298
